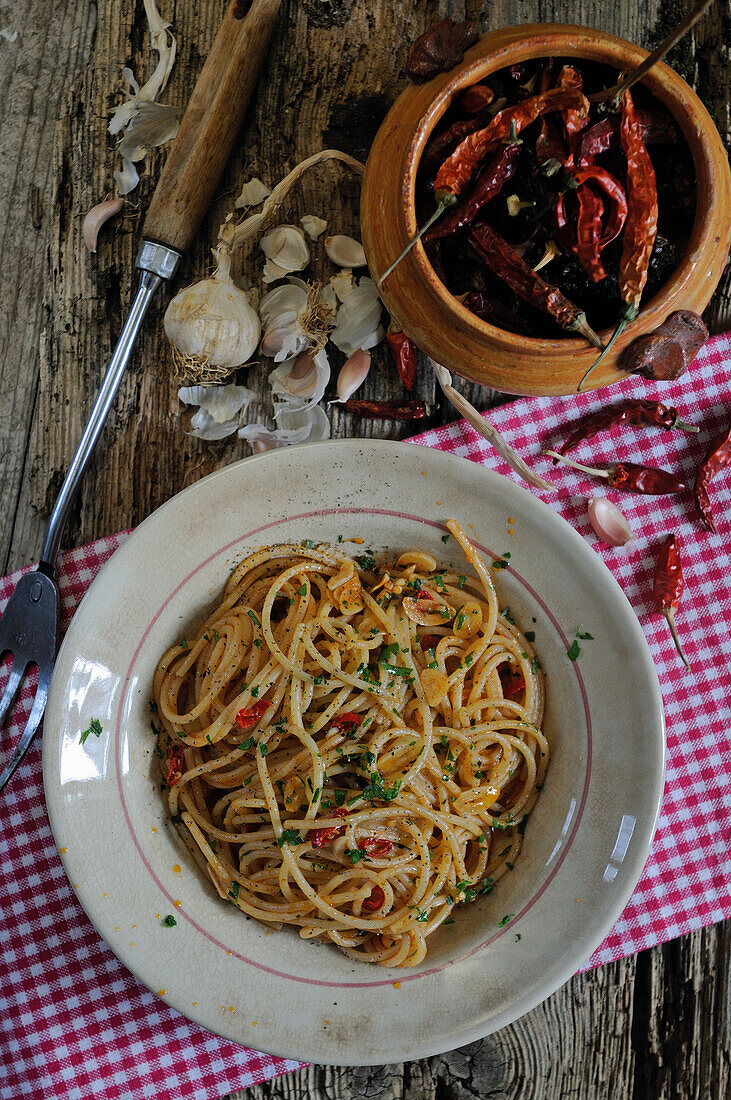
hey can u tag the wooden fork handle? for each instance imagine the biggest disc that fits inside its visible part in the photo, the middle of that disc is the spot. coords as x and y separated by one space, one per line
210 124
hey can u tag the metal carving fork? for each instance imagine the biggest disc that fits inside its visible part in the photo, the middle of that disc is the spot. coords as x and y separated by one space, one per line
30 622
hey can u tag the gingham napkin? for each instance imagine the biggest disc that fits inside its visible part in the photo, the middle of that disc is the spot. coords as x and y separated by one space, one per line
75 1024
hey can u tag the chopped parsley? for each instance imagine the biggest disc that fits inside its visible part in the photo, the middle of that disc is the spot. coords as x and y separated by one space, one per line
376 789
308 544
445 538
319 679
356 854
506 920
252 616
366 561
94 727
340 797
169 921
518 937
573 651
530 635
183 643
290 836
461 581
247 744
460 620
423 915
234 891
507 615
263 749
255 692
585 636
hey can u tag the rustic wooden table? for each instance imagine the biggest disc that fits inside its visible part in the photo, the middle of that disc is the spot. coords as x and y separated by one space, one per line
653 1026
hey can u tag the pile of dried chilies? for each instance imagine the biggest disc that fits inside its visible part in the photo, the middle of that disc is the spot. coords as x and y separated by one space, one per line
547 211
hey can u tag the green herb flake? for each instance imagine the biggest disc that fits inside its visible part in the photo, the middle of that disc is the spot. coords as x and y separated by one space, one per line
94 727
445 538
469 659
422 917
234 891
263 749
302 591
290 836
356 854
252 616
518 937
169 921
449 920
366 561
308 544
508 616
585 636
506 920
255 693
461 581
247 744
183 643
573 651
340 797
530 635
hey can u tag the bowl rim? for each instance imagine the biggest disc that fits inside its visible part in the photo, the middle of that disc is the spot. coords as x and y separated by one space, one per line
537 40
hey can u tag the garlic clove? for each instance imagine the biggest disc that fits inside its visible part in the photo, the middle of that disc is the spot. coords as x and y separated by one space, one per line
353 373
313 226
97 217
253 192
302 382
286 247
345 251
608 522
220 402
358 321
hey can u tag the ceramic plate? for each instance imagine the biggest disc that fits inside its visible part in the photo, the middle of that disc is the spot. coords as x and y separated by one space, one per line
586 841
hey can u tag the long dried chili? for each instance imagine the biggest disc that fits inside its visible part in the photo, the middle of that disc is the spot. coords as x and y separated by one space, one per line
458 169
403 353
488 184
640 228
630 477
489 309
509 266
589 232
574 120
717 459
387 410
655 128
445 143
638 413
668 585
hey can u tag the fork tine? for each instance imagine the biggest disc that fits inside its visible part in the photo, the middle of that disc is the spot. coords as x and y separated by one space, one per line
11 688
34 720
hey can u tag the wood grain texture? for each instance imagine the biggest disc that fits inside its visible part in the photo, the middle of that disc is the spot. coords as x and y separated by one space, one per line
654 1027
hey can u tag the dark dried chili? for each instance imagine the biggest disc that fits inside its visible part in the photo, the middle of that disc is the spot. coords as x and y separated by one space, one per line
476 98
488 184
668 585
509 266
440 48
640 228
630 477
387 410
589 232
574 121
655 128
668 351
445 143
638 413
403 353
489 309
717 459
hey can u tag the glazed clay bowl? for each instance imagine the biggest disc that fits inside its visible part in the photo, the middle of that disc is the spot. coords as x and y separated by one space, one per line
433 317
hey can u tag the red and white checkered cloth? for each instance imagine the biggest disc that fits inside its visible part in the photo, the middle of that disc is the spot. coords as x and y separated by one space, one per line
75 1024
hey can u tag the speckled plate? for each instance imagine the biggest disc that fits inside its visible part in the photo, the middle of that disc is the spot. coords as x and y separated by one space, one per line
585 844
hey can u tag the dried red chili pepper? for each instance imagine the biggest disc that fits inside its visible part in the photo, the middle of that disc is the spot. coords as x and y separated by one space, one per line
574 121
441 145
249 716
440 48
403 353
387 410
488 184
509 266
318 838
347 722
630 477
511 681
458 169
374 901
612 190
655 128
377 847
668 351
717 459
640 228
489 309
476 98
668 587
589 232
176 766
637 413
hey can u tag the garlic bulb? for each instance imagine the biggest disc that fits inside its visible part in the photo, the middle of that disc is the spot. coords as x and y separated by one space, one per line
345 251
212 326
295 318
286 250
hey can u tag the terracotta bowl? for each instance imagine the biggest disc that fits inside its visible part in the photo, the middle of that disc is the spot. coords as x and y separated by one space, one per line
438 323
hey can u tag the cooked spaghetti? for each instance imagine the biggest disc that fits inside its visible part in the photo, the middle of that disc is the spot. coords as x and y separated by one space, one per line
351 747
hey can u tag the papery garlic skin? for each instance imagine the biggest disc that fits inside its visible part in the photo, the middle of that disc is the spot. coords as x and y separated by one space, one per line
345 251
608 522
301 382
293 426
253 192
212 325
220 402
358 322
286 247
313 226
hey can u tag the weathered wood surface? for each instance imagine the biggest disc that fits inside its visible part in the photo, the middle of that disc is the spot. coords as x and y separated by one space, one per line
654 1026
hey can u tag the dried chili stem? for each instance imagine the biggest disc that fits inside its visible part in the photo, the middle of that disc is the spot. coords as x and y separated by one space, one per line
444 204
669 614
627 317
578 466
